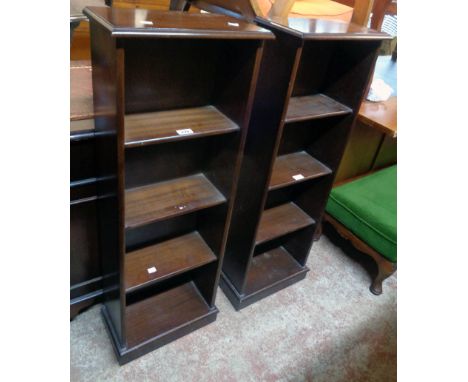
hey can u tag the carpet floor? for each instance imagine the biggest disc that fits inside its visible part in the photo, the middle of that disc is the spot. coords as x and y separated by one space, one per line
328 328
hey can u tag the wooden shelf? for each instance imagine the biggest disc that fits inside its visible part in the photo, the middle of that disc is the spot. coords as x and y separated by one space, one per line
270 268
168 199
165 126
281 220
314 107
168 258
163 312
295 168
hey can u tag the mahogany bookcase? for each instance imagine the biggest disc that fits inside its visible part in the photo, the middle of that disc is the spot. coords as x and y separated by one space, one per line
173 94
312 80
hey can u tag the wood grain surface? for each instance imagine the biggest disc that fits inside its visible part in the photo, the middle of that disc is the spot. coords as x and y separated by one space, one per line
296 165
169 258
281 220
81 91
380 115
163 126
269 268
313 107
172 198
165 311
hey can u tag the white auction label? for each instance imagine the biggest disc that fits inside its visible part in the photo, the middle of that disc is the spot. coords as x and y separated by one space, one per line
184 132
298 177
151 270
233 24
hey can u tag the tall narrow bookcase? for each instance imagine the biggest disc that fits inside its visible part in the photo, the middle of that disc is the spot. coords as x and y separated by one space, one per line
173 94
312 80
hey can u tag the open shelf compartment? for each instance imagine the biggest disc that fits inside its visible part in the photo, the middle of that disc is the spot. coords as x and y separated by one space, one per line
154 202
281 220
158 262
164 312
270 268
172 125
313 107
294 168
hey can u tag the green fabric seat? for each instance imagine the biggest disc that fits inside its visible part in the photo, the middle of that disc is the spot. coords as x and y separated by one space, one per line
368 208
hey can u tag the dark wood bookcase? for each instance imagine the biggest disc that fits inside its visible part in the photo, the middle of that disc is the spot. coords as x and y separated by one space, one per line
312 81
173 94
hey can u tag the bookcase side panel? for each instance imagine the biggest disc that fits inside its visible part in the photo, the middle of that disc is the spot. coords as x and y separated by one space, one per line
107 61
258 155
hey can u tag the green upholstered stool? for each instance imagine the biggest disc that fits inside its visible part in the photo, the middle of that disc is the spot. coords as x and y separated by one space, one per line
364 211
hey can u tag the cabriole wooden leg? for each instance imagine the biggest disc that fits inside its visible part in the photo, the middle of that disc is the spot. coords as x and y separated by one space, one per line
386 269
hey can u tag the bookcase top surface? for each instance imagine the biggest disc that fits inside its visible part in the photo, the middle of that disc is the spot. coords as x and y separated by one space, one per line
128 23
302 27
322 29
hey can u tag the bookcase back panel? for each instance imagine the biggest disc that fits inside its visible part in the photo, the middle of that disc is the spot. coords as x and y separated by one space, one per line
157 163
322 139
313 67
296 243
338 69
157 288
160 231
167 74
298 136
233 78
309 196
208 222
221 162
203 277
349 71
82 160
329 145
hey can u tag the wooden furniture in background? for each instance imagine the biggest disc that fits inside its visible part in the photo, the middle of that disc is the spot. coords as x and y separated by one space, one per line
85 262
311 83
172 106
362 210
79 40
385 268
373 140
363 9
80 44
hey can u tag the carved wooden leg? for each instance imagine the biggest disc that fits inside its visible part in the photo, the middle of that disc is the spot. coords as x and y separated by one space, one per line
386 269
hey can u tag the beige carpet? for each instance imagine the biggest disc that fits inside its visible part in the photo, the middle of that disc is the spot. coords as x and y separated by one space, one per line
328 328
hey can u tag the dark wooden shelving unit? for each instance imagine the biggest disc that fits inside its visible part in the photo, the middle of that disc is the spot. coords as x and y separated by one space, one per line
173 94
312 80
